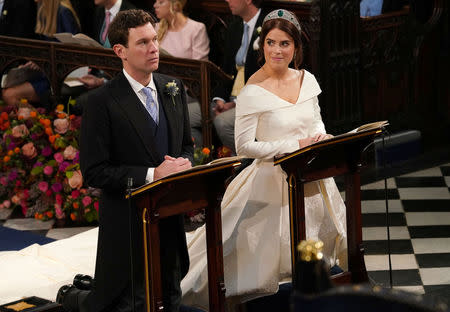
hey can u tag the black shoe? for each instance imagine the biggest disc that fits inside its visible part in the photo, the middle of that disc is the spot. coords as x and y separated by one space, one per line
62 293
83 282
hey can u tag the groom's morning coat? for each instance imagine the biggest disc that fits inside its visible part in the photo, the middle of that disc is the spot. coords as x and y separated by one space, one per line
117 142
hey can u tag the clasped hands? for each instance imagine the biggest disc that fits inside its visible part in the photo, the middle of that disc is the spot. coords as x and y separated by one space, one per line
222 106
171 165
311 140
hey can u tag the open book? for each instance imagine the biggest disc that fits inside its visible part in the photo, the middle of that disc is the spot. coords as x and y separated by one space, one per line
370 126
80 39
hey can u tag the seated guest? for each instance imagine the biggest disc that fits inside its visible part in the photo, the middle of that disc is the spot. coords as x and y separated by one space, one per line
104 14
240 61
183 37
370 7
53 16
17 18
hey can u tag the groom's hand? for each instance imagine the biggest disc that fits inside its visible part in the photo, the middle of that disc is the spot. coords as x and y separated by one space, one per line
171 165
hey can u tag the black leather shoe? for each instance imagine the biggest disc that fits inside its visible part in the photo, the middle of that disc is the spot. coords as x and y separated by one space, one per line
62 293
83 281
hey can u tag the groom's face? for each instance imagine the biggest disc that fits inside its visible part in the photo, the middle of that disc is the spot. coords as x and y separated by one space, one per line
142 52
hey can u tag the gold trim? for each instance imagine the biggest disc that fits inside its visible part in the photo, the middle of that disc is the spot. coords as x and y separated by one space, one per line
292 187
325 143
147 282
178 177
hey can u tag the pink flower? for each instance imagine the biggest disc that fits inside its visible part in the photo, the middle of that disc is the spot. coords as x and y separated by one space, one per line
58 157
58 211
70 152
29 151
24 112
75 194
6 204
76 181
48 192
96 205
48 170
19 131
3 181
87 200
15 199
43 186
61 125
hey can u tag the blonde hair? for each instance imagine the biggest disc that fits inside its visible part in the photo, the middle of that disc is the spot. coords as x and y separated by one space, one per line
163 23
47 16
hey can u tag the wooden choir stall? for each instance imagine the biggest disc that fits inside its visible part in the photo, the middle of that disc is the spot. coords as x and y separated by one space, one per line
201 187
341 155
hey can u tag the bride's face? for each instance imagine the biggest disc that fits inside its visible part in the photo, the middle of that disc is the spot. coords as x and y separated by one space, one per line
279 49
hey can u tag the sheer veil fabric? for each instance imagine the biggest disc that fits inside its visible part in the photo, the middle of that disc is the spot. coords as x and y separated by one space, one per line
255 207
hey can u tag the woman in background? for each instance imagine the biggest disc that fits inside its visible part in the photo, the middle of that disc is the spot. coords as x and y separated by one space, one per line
53 16
179 35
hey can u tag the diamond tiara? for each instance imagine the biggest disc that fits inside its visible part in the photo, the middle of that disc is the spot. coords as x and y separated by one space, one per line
281 13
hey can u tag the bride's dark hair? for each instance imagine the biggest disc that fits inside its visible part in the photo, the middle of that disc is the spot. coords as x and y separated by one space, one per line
288 28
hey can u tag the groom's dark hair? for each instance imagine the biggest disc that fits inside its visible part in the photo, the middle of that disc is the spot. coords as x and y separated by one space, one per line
120 26
257 3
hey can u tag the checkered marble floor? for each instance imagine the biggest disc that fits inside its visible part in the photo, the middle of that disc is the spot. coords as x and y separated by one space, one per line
419 227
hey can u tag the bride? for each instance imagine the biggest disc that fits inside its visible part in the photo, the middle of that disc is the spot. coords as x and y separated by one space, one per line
277 112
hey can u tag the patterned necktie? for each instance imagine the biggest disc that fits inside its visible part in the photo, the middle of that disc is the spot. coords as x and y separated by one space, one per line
150 104
240 55
106 25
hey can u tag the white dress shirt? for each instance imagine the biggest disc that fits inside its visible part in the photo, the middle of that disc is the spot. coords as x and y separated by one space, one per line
137 88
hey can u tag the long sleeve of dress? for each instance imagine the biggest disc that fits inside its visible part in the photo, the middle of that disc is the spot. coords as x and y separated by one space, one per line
317 125
245 130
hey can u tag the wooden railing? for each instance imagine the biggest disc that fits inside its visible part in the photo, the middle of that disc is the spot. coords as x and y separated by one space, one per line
58 60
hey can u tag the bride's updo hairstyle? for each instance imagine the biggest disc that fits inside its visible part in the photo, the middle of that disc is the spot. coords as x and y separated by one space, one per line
285 21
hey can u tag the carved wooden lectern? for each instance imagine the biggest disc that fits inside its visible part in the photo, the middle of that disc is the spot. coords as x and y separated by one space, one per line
201 187
340 155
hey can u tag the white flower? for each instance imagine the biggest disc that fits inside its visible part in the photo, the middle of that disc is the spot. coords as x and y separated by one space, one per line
256 44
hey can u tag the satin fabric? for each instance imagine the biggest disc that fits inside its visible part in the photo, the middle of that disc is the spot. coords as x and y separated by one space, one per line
255 207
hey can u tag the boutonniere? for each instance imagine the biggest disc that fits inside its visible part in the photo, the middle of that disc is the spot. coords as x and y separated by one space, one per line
256 42
172 90
5 12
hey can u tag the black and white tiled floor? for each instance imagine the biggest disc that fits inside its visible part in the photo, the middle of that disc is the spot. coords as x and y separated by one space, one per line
419 219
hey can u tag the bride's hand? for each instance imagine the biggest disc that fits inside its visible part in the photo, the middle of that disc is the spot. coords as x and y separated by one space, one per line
321 136
305 142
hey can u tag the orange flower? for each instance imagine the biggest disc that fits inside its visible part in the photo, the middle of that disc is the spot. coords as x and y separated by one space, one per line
73 216
75 205
41 216
6 125
48 131
6 159
61 115
47 122
52 139
33 114
49 214
36 215
57 135
206 151
59 108
23 101
10 153
17 150
20 117
4 116
72 117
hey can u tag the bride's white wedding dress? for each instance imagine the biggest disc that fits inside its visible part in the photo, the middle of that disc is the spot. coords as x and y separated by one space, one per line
255 218
255 208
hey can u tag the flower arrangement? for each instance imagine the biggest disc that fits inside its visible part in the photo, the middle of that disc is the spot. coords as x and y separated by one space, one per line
172 90
201 155
39 162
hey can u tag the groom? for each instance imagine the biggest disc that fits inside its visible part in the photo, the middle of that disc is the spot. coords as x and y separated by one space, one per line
130 127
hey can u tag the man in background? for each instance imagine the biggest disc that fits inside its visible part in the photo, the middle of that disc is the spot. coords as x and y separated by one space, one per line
18 18
240 61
